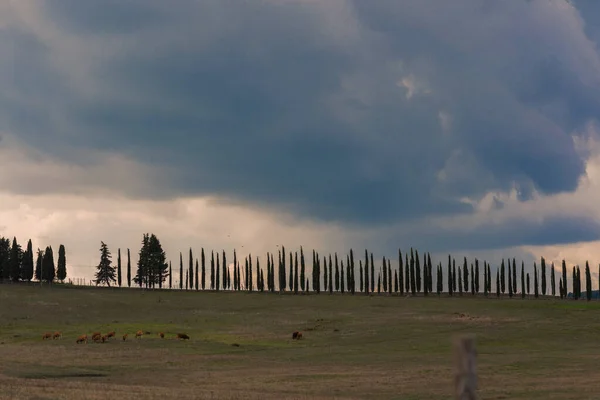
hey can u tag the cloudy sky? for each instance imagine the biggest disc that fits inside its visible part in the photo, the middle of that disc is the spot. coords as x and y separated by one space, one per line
468 127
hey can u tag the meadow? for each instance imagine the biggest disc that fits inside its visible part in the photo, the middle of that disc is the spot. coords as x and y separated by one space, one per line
241 347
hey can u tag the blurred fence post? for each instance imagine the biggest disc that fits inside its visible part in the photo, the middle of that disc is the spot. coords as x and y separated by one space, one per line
465 375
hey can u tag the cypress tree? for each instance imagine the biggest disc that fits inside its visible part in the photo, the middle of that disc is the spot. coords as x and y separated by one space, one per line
430 266
27 264
528 291
560 288
477 276
460 282
366 272
302 270
523 280
342 277
218 273
225 268
407 277
187 281
196 278
543 277
379 282
291 273
296 272
180 271
325 274
395 281
212 270
203 273
283 280
389 277
400 273
258 274
510 285
535 281
465 275
384 274
372 274
502 277
330 283
14 261
361 277
497 283
118 266
61 265
552 281
449 275
514 275
575 292
4 257
170 276
485 279
453 275
128 269
48 267
588 282
564 278
191 270
413 280
337 274
250 274
352 277
38 264
417 272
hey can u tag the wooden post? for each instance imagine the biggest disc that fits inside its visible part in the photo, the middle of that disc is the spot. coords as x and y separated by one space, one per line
465 378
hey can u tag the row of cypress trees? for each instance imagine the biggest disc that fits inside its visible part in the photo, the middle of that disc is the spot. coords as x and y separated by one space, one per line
18 265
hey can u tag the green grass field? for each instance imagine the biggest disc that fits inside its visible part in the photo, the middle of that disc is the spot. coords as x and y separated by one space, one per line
353 347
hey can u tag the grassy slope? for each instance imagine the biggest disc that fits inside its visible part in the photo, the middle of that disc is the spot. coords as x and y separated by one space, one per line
384 347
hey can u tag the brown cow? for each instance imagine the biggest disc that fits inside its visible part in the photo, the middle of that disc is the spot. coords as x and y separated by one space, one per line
295 335
47 335
110 334
299 336
104 338
139 334
125 337
182 336
57 335
96 335
81 339
162 335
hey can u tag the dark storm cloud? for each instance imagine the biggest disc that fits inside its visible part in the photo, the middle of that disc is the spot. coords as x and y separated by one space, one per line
298 104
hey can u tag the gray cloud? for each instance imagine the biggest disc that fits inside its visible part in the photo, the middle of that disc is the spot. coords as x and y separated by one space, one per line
329 110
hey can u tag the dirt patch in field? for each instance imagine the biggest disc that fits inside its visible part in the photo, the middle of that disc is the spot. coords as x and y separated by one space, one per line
466 318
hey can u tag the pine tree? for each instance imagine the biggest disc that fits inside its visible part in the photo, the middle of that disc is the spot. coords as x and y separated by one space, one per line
535 281
588 282
105 273
61 266
152 266
543 277
38 264
128 269
552 281
523 280
48 267
203 273
119 275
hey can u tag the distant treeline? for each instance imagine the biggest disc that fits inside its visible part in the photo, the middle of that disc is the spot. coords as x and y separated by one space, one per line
412 273
17 264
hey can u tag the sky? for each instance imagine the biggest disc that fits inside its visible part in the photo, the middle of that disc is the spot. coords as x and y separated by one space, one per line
467 127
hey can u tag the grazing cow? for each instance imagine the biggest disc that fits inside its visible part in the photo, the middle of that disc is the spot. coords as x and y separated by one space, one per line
182 336
299 335
57 335
295 335
125 337
97 339
162 335
139 334
110 334
104 338
81 339
47 335
96 335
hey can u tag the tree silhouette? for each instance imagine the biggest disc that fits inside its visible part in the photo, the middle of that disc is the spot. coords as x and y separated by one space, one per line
105 273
